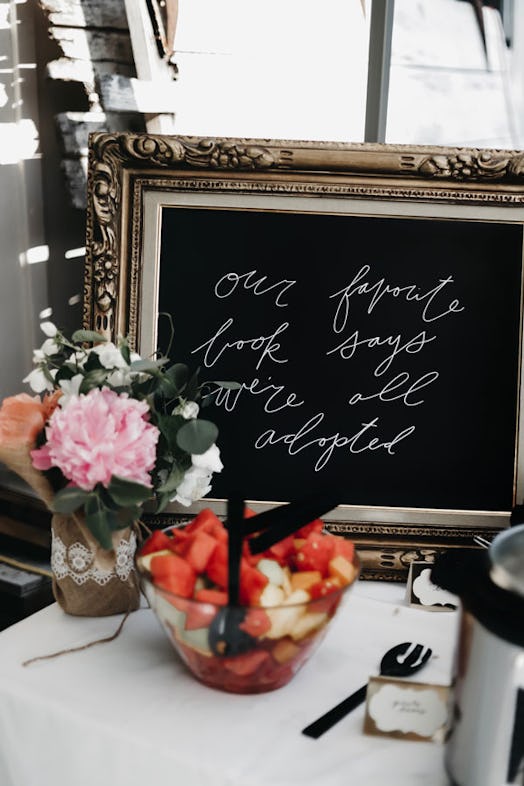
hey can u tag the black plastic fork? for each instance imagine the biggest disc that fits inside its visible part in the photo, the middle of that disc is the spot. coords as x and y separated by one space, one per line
399 661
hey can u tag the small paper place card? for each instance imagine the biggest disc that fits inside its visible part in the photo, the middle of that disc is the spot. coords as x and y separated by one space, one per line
407 710
421 591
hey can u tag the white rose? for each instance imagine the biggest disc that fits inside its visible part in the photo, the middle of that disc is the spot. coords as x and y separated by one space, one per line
188 409
110 356
48 329
209 461
195 485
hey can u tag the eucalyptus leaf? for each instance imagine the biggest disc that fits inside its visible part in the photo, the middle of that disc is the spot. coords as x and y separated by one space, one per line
69 499
127 493
90 336
197 436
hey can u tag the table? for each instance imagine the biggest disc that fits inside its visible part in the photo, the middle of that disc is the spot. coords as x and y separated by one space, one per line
126 713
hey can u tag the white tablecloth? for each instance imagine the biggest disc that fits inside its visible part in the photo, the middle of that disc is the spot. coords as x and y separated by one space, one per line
126 713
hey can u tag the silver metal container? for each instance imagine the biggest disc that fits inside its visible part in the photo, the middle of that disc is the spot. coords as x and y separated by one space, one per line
485 746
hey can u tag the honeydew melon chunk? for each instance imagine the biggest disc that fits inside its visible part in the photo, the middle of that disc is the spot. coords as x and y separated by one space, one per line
166 612
272 595
298 596
196 638
284 619
271 569
307 623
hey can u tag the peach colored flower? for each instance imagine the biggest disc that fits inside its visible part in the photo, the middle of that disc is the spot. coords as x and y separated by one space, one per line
22 417
99 435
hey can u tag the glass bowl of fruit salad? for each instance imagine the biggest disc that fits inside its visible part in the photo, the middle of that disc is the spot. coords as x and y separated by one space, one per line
287 596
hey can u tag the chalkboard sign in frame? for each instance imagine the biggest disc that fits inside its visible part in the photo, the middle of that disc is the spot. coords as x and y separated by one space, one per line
135 180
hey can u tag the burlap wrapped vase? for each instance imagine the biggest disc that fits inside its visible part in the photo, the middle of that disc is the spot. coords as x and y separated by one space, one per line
88 580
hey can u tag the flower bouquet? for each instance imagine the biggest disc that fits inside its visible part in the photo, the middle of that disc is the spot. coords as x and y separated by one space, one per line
107 432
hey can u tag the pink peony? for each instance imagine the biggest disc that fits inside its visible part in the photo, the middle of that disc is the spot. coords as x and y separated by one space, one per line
98 435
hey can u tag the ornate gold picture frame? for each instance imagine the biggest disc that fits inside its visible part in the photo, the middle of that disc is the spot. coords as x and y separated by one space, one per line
467 203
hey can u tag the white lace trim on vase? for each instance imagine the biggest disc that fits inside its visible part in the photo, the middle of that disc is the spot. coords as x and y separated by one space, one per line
78 562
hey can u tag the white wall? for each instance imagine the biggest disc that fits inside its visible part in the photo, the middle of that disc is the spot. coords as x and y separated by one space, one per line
23 288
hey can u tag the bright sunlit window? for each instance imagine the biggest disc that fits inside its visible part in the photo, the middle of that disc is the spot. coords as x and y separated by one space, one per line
298 69
280 68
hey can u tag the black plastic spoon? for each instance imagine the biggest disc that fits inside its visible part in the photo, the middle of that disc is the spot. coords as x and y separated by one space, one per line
399 661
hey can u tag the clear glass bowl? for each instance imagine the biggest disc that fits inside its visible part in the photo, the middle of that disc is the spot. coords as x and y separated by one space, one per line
243 649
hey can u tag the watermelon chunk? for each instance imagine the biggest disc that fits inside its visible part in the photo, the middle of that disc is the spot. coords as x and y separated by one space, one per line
157 541
315 554
199 550
174 574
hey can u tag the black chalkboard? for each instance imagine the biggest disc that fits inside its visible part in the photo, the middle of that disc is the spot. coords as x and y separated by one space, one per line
384 351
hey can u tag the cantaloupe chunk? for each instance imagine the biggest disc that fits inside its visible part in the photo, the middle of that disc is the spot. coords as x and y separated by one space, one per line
342 569
305 579
285 650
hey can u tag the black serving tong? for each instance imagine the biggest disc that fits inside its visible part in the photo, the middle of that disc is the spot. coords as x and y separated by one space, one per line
279 522
225 634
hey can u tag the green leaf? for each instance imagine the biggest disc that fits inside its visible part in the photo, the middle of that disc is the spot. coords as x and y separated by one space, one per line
191 391
179 374
172 482
169 426
197 436
163 502
65 372
69 499
127 493
91 336
100 521
126 516
93 380
125 351
93 362
145 366
167 388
